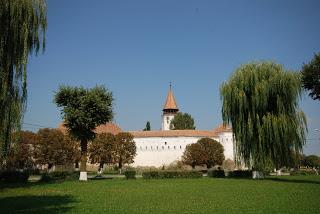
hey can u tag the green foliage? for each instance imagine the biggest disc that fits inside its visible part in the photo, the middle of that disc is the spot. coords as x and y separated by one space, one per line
125 149
84 109
312 161
130 174
148 127
59 176
205 152
216 174
303 172
163 174
22 26
14 176
101 149
260 100
311 77
182 121
240 174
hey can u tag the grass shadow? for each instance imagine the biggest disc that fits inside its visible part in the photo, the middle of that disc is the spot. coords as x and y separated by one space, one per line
36 204
298 181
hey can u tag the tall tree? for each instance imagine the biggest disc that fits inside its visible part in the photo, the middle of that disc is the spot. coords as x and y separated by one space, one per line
260 100
52 148
83 110
125 149
182 121
22 26
148 127
101 149
311 77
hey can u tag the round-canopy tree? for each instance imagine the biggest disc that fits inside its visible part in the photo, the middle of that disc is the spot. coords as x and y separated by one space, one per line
22 26
182 121
83 110
101 149
213 152
260 100
125 149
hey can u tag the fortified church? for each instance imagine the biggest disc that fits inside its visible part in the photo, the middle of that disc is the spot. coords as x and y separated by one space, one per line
163 147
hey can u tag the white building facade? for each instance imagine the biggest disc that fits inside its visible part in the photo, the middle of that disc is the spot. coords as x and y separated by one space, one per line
158 148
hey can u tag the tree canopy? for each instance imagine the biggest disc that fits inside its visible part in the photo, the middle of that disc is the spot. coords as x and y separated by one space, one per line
205 152
53 148
182 121
125 149
82 111
22 25
260 100
148 127
311 77
102 148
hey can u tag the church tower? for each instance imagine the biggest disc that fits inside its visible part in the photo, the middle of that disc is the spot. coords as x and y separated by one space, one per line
170 109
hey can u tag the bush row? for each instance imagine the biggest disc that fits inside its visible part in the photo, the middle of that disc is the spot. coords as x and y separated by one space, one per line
171 174
130 174
14 176
304 172
230 174
58 176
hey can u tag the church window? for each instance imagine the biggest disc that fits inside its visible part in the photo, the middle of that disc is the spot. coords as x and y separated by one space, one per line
174 147
151 147
140 147
162 147
165 143
146 147
180 147
168 147
157 147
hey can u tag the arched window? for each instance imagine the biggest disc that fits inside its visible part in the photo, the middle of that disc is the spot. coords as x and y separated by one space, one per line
165 143
146 147
168 147
174 147
162 147
157 147
180 147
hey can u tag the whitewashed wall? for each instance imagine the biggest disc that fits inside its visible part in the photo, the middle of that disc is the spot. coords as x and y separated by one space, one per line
159 151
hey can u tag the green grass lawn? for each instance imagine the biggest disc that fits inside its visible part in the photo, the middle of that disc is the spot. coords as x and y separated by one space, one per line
206 195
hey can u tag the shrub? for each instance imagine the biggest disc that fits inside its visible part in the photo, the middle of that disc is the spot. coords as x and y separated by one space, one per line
303 172
240 174
13 176
130 174
216 174
59 176
163 174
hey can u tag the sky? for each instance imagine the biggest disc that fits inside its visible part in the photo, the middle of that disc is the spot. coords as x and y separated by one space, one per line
135 48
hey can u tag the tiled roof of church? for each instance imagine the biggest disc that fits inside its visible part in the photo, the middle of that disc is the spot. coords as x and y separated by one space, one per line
105 128
170 102
174 133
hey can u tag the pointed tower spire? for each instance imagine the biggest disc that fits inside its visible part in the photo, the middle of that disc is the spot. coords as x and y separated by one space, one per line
171 103
170 109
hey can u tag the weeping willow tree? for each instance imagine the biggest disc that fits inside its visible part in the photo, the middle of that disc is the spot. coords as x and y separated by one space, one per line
22 26
261 101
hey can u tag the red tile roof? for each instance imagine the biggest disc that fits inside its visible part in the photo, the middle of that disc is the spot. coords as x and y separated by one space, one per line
174 133
105 128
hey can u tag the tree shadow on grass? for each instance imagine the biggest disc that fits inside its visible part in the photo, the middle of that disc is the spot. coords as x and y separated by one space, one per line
297 181
36 204
12 185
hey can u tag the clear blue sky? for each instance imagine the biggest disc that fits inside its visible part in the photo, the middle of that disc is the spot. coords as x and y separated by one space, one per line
135 48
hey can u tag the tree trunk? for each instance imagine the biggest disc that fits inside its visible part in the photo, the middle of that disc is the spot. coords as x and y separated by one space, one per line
257 175
83 163
120 167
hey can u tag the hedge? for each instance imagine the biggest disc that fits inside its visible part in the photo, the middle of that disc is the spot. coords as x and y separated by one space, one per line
240 174
216 174
130 174
164 174
303 172
13 176
59 176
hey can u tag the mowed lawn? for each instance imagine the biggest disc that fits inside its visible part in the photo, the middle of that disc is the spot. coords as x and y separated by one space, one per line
207 195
